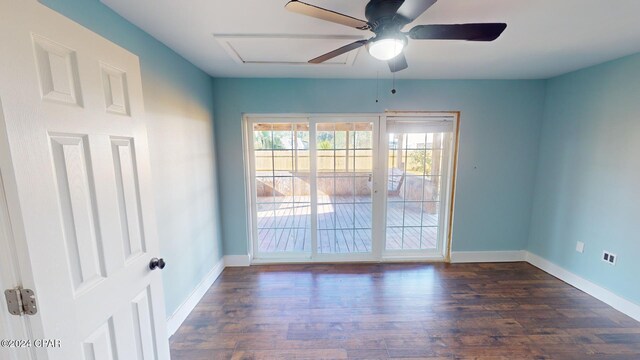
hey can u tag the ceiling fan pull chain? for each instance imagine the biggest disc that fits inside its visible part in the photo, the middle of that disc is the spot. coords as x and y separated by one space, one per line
393 88
377 85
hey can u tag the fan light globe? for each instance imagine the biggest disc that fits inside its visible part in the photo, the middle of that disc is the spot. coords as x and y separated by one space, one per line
385 49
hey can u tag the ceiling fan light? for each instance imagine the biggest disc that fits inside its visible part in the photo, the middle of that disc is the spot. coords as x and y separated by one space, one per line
385 49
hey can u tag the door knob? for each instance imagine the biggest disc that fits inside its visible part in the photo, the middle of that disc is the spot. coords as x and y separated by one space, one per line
156 263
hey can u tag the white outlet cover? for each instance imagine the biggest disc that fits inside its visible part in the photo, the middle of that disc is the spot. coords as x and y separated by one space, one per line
580 247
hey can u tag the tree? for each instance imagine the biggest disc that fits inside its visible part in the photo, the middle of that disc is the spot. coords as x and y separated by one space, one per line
266 140
325 145
420 161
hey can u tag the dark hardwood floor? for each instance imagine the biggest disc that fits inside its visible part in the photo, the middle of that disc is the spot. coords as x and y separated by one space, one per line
437 311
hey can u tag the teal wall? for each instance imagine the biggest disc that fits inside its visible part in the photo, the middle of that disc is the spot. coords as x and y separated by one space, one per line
588 178
178 101
500 124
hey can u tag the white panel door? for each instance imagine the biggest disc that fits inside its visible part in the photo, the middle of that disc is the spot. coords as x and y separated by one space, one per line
74 121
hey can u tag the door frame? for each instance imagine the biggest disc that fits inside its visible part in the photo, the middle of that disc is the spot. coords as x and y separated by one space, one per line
378 254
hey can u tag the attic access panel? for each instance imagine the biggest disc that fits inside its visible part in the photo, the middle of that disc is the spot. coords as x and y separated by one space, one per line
284 49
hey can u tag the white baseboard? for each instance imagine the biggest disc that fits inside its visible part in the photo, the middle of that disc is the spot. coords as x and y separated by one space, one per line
180 315
617 302
487 256
237 260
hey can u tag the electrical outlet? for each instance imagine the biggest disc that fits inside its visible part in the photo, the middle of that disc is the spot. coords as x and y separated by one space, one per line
609 257
580 247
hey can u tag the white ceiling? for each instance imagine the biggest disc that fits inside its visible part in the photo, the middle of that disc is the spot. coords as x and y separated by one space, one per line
544 38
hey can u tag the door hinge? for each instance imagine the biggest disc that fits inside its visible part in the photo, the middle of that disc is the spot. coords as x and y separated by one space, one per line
21 301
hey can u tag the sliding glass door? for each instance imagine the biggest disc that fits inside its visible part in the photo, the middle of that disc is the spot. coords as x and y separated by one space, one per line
326 188
311 186
344 168
282 192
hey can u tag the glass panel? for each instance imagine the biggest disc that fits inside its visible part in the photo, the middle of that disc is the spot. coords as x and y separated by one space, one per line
302 163
284 215
430 213
344 216
344 241
434 166
436 140
413 188
363 215
418 161
326 162
265 239
363 161
431 189
264 189
301 216
362 186
395 213
283 162
302 189
283 137
344 163
262 136
412 213
429 237
326 216
266 216
340 161
411 238
302 138
303 240
415 141
325 140
326 241
283 194
283 187
345 189
341 140
326 189
415 165
363 140
264 162
362 240
394 238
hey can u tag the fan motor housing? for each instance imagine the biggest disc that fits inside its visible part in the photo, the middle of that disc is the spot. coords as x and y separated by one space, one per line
382 15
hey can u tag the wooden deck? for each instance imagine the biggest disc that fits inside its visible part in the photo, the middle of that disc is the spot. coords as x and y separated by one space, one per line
344 225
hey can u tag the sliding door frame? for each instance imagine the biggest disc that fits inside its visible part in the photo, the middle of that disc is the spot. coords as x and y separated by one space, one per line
251 192
378 197
375 119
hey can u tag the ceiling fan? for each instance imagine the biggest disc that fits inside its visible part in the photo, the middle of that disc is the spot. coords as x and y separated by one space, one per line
386 18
